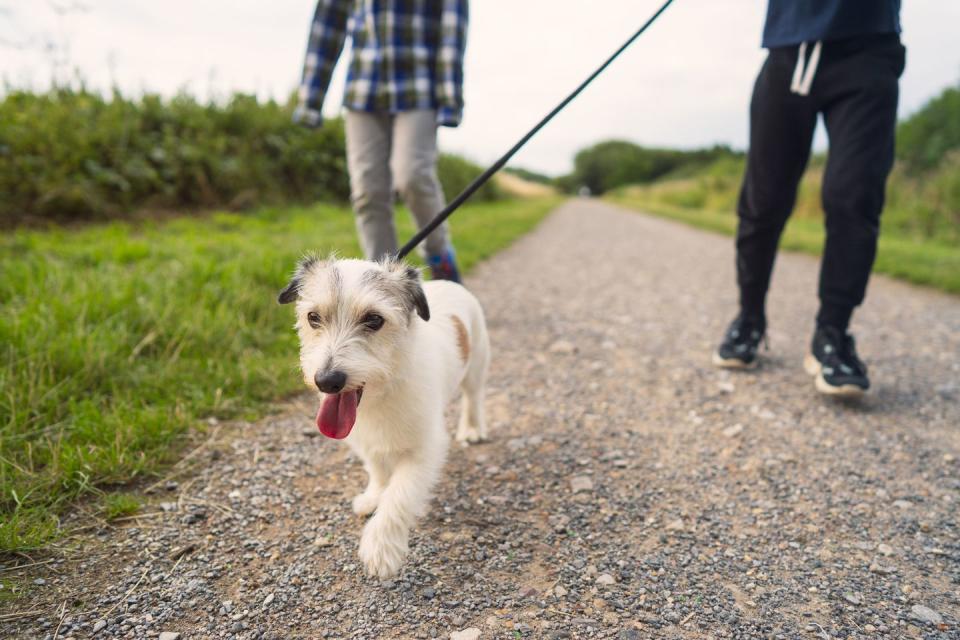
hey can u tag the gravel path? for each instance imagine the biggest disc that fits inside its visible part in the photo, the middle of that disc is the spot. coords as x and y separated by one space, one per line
631 490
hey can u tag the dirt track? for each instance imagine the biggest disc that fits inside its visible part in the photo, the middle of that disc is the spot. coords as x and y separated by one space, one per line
631 490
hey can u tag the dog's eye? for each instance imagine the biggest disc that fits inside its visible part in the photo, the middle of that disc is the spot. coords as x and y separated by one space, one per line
372 321
314 319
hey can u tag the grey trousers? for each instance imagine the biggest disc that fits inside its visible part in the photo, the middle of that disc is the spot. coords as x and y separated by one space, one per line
393 152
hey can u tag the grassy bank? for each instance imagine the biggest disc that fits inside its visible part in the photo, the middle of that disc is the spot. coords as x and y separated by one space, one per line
709 203
117 339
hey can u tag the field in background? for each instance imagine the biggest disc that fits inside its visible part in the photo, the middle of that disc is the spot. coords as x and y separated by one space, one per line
920 237
919 242
116 339
516 185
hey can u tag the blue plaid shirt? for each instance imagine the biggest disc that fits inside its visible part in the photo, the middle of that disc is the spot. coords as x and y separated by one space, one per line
406 55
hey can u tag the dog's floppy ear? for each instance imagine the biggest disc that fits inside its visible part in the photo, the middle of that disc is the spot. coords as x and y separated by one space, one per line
292 290
415 292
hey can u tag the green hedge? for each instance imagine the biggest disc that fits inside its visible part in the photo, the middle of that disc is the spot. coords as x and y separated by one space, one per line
457 173
74 155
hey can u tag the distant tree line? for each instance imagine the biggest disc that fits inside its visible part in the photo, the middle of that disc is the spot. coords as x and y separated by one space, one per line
616 163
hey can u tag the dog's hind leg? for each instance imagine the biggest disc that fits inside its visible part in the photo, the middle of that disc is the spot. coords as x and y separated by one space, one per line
385 541
472 427
473 423
365 503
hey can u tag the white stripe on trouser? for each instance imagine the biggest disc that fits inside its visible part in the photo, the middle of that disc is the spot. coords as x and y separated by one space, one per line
803 77
393 152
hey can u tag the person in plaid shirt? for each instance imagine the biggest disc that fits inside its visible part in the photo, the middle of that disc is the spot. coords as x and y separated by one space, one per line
405 79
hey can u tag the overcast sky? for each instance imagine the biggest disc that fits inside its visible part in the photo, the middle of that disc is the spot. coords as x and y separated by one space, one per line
685 83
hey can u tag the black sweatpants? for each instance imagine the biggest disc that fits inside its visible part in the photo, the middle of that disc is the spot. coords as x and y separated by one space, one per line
856 89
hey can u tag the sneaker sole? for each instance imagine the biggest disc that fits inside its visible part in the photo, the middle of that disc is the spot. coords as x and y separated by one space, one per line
733 363
812 366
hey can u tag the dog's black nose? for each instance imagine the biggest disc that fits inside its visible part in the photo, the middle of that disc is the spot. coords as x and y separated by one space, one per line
330 381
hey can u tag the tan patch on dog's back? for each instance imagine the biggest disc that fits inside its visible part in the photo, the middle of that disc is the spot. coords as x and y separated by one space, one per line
463 338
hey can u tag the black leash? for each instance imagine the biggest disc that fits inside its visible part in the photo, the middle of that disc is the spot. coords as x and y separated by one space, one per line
486 175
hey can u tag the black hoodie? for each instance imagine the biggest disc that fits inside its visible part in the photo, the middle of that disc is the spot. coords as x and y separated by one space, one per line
790 22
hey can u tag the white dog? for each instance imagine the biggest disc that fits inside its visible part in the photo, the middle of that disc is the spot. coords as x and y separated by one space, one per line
387 354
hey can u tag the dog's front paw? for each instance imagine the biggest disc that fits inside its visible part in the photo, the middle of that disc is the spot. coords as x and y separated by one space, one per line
365 503
382 555
470 435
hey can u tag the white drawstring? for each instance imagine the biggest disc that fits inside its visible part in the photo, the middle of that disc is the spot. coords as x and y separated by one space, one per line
798 70
803 77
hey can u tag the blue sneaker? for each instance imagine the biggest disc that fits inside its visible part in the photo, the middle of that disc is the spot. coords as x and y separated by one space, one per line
444 266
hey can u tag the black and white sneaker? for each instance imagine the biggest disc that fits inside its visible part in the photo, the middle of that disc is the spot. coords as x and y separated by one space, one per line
833 360
740 344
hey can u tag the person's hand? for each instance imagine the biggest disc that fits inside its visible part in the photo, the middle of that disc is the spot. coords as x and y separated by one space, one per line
307 117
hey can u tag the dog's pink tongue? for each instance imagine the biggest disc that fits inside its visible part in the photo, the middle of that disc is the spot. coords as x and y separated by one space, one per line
337 414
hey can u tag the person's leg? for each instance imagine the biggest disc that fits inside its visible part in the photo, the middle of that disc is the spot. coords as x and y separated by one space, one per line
861 119
414 165
368 161
781 131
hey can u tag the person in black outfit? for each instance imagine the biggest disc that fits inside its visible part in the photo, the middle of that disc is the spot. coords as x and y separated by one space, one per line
841 59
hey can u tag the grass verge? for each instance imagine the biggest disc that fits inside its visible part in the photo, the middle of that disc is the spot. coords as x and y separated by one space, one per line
916 260
117 339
